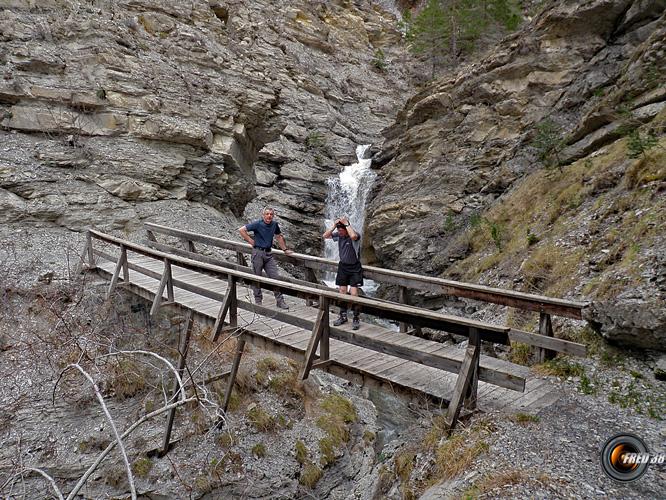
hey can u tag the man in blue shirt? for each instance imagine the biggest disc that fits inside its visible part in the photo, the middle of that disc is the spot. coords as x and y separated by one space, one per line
264 230
350 272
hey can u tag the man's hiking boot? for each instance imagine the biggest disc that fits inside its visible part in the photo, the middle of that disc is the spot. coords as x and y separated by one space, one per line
340 320
282 305
356 324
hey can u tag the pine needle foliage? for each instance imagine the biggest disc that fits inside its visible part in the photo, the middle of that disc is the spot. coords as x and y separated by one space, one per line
445 29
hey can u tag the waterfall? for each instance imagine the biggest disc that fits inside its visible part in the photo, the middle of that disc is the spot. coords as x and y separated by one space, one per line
347 195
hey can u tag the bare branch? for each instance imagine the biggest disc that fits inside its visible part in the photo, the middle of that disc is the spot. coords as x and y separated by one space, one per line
112 445
46 476
130 477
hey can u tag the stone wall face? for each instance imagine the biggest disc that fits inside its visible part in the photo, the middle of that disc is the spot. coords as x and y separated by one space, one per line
117 112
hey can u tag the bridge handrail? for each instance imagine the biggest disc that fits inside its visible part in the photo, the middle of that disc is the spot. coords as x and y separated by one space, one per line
388 310
511 298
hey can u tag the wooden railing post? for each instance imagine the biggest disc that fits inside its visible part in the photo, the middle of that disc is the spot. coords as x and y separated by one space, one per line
233 302
402 298
224 308
182 352
191 247
545 328
240 259
150 235
312 278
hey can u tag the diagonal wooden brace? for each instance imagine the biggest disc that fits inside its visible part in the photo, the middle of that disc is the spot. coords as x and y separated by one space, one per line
121 264
321 327
164 282
468 370
224 309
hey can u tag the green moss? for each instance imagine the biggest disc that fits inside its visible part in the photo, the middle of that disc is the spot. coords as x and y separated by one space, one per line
141 467
586 385
525 418
368 437
341 407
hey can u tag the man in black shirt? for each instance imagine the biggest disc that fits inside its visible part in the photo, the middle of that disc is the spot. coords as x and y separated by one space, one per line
350 272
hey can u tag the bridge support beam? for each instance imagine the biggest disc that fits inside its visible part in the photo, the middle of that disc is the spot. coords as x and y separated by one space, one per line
182 355
319 332
467 380
240 346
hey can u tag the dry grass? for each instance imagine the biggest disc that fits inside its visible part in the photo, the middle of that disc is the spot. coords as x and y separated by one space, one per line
520 353
301 452
487 484
310 475
260 419
611 197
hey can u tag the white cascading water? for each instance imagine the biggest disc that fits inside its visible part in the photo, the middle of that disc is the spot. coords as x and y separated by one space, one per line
346 197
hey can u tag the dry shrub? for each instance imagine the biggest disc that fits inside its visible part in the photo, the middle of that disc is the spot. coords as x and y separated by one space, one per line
127 378
310 475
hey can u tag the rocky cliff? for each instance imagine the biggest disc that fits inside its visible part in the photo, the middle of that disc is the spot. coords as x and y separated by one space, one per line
113 113
541 167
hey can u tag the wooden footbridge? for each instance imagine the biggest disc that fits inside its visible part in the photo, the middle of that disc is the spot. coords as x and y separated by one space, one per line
217 291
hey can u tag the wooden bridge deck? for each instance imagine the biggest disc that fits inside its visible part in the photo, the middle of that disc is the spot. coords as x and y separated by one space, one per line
349 361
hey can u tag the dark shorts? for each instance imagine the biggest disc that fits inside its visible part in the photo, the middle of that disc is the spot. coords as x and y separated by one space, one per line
349 274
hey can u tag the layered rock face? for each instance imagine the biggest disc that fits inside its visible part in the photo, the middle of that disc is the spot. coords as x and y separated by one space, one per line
462 145
113 113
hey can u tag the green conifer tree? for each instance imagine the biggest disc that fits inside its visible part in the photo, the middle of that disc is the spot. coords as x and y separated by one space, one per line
444 29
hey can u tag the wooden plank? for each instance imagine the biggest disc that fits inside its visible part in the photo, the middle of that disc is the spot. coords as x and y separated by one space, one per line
555 344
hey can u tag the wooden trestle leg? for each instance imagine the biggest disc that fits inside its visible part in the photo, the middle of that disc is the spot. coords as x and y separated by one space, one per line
182 349
234 370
